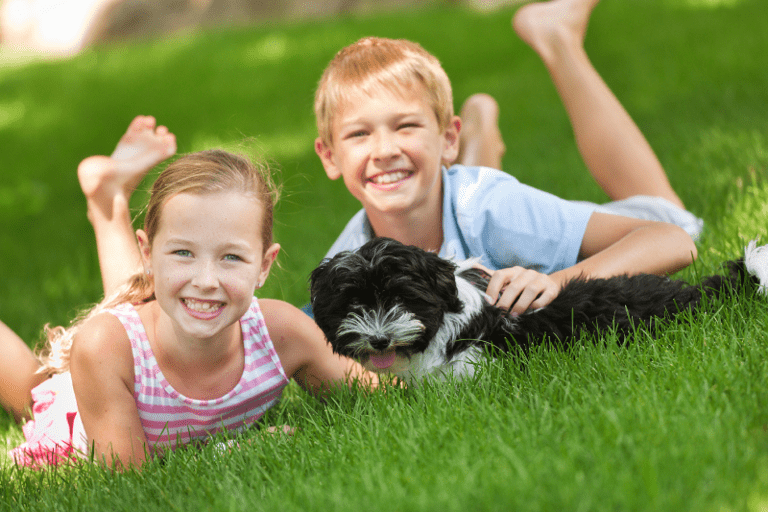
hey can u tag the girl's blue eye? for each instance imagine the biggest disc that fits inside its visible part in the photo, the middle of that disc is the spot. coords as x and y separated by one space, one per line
232 257
182 252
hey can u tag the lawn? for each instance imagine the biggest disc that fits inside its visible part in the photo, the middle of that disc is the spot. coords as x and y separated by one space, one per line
676 423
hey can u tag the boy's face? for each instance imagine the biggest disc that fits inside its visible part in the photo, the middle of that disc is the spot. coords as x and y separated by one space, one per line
390 151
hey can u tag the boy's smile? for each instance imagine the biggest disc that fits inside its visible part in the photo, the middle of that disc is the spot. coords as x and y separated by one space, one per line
386 178
389 150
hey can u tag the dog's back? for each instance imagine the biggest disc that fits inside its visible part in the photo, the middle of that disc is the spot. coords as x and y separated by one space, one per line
402 310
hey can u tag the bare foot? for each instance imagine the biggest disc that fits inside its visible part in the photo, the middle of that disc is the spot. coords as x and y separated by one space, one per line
106 178
548 26
480 141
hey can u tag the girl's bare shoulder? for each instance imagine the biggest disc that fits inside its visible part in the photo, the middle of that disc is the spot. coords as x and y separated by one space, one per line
284 320
102 341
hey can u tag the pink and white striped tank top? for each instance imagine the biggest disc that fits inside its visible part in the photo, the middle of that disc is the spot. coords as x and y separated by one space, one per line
171 419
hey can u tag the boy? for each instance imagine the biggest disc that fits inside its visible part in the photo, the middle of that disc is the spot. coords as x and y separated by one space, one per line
386 126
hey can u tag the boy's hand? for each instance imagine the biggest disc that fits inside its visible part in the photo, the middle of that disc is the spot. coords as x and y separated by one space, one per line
519 289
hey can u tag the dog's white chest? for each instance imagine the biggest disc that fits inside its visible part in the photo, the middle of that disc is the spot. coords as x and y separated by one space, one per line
432 363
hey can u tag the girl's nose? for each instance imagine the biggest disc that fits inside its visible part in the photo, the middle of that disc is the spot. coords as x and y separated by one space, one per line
205 276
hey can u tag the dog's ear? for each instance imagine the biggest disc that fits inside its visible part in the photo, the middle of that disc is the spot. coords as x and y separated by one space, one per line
322 285
328 275
315 277
443 277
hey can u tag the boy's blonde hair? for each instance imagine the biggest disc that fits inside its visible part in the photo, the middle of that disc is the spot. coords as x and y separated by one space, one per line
201 173
376 64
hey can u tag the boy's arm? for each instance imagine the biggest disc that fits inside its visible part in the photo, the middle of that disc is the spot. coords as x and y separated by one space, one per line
612 245
102 376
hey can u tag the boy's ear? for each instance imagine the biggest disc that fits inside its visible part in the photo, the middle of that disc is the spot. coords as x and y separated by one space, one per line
266 262
325 152
144 249
451 141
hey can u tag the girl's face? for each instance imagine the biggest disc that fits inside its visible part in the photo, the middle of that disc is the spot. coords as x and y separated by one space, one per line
207 260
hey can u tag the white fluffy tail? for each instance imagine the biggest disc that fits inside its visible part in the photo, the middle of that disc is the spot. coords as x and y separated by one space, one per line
756 261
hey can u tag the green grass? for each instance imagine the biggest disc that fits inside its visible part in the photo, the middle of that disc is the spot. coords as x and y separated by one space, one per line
679 423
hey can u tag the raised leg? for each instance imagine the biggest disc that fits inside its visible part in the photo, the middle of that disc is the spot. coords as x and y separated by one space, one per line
17 373
480 140
615 151
108 183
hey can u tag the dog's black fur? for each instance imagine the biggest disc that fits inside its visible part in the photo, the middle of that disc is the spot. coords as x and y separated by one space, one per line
387 295
600 304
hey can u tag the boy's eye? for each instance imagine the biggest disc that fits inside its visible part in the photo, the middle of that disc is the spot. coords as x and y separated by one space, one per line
233 257
355 134
404 126
184 253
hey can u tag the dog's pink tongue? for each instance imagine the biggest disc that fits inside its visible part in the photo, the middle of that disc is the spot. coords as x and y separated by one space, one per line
382 361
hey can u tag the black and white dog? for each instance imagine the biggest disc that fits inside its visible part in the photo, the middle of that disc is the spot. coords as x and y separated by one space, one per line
401 310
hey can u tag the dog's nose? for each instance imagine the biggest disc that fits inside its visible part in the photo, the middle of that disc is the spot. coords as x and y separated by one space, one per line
379 342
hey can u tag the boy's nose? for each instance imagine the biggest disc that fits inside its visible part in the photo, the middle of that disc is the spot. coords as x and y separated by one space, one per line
385 146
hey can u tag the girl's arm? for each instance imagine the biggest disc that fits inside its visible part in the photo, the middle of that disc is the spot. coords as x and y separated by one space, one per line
102 376
304 352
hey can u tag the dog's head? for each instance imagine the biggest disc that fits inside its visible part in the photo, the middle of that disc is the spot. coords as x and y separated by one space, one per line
384 300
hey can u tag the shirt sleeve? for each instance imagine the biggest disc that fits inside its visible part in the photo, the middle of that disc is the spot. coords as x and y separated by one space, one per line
507 223
356 233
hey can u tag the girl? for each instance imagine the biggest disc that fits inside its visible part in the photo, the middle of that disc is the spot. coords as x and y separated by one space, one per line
184 349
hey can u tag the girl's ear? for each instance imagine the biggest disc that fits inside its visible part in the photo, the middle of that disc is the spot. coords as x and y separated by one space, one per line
325 152
266 263
451 141
144 249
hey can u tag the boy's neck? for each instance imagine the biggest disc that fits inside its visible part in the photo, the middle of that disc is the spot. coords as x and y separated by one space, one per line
425 232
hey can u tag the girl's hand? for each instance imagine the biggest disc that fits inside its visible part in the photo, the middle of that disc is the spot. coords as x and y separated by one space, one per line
519 289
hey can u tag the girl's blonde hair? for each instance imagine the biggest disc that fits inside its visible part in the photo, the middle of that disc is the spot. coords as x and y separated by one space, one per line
199 173
376 64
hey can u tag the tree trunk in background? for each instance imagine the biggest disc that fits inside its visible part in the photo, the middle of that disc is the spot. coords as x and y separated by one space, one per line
65 27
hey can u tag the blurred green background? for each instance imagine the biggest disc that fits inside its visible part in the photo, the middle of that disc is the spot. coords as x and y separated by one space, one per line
676 423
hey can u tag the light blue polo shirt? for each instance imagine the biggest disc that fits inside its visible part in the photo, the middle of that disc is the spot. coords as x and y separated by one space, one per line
491 215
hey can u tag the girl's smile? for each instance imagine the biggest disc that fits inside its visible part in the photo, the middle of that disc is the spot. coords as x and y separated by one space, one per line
203 309
207 260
